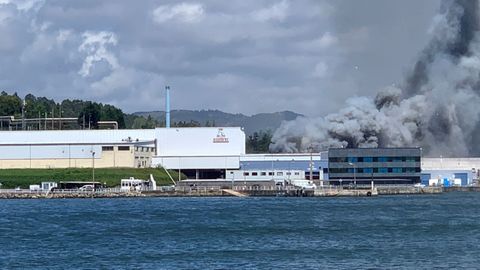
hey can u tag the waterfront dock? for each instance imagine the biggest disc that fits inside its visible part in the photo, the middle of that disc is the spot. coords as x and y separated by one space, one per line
237 191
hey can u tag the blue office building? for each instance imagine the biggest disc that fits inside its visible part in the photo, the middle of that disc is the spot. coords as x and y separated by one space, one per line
380 165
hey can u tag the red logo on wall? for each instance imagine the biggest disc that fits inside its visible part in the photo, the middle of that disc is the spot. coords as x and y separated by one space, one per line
221 138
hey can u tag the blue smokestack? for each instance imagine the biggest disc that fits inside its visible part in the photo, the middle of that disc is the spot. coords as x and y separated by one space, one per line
167 106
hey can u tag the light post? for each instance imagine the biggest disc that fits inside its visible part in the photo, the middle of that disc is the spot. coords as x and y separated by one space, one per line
354 173
93 170
310 148
273 173
61 113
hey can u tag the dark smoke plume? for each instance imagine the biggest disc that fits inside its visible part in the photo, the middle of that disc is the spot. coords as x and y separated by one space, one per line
437 108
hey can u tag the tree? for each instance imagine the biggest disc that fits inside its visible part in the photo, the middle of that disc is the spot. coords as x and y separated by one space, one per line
90 115
259 142
10 105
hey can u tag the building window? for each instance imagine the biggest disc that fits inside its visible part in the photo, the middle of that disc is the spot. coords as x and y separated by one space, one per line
367 170
279 173
254 173
382 159
107 148
297 173
382 170
263 173
124 148
246 174
396 170
270 173
375 159
289 173
367 159
412 159
351 159
338 159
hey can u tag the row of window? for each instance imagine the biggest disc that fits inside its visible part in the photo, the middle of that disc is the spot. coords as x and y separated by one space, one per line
120 148
374 170
144 149
374 159
127 148
269 173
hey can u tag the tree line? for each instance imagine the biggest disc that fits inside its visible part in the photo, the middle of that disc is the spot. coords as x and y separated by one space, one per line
87 112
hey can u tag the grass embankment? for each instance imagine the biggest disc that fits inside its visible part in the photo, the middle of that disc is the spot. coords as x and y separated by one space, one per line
11 178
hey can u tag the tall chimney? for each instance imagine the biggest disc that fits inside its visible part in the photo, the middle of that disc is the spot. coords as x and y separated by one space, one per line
167 106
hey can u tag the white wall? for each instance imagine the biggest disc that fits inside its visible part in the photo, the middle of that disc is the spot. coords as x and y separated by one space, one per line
75 136
49 152
217 162
199 141
450 163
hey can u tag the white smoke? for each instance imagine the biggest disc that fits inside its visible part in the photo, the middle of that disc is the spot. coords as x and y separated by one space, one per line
438 108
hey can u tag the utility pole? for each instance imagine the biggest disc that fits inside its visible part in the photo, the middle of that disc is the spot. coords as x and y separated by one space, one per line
60 125
311 162
23 114
53 113
93 170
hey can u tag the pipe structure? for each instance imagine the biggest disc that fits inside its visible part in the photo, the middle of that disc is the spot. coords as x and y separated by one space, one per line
167 106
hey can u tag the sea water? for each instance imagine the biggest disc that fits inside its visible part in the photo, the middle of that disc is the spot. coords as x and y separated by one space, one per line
392 232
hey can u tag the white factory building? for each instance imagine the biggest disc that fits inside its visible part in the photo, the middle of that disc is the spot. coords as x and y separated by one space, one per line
200 153
197 149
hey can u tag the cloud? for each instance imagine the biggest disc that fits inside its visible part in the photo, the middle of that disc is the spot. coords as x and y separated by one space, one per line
244 56
184 12
23 5
95 47
320 70
278 11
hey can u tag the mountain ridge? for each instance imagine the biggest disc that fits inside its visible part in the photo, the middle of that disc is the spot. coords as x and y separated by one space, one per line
251 124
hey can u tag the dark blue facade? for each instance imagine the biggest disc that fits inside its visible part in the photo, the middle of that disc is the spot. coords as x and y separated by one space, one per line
380 165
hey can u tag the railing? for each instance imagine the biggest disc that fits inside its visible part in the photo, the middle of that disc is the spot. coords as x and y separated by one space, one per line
22 191
204 190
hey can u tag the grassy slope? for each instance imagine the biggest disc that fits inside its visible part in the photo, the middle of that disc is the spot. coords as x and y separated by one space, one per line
11 178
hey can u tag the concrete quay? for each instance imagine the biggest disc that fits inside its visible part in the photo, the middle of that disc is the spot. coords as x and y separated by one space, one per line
329 192
82 195
407 190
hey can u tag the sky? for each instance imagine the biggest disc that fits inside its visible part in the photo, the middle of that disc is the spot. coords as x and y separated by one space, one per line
247 56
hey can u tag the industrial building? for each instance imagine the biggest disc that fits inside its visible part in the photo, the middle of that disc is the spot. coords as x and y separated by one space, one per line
380 165
440 170
219 153
207 151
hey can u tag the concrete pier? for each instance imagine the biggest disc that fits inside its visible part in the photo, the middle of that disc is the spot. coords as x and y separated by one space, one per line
328 192
404 190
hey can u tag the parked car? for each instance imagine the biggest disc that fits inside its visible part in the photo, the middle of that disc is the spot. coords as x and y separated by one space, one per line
86 188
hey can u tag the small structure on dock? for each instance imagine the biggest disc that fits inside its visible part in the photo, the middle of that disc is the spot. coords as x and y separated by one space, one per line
133 184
